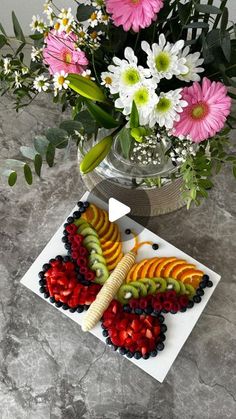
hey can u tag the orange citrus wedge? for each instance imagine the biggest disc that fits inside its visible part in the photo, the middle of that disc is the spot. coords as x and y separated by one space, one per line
144 270
106 224
176 272
91 215
111 236
171 265
153 267
192 277
112 265
136 273
129 276
112 250
101 219
161 266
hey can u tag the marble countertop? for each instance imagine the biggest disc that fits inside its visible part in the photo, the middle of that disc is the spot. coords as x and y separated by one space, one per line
50 369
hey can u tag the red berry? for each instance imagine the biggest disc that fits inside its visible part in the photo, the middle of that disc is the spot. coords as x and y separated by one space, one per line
71 228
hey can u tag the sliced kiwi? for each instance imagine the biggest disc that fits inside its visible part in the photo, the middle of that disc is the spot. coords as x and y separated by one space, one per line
190 291
87 231
88 239
79 221
95 258
126 292
160 284
102 273
173 284
82 226
94 248
182 288
150 284
142 289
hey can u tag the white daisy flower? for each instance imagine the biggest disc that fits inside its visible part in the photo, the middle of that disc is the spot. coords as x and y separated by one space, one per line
95 38
87 74
144 97
98 4
193 63
48 10
126 74
6 66
65 20
167 110
163 59
37 24
17 82
36 54
41 83
24 70
95 18
106 79
60 81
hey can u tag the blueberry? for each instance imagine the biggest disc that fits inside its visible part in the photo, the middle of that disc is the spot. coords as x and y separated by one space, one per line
156 313
183 309
146 356
129 354
173 311
80 309
67 259
164 311
86 204
105 333
197 299
108 341
148 310
200 292
82 209
41 274
102 326
64 239
42 290
46 266
80 204
114 347
58 304
70 220
46 295
128 231
51 260
138 311
65 233
127 308
59 257
203 284
122 351
76 214
72 310
161 319
67 246
163 328
52 300
86 307
210 284
137 355
190 304
162 337
160 346
65 225
155 246
85 282
41 282
153 353
205 278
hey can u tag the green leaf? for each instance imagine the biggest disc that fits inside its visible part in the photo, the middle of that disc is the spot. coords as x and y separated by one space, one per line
57 137
125 141
88 123
226 45
3 30
50 154
3 40
17 29
134 117
41 144
234 171
84 12
184 11
28 174
28 152
11 175
96 155
86 88
197 25
138 133
36 36
208 9
102 117
205 183
70 126
14 163
224 20
38 161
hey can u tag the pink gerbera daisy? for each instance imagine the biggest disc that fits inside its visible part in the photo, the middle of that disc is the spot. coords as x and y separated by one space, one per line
62 53
135 14
206 113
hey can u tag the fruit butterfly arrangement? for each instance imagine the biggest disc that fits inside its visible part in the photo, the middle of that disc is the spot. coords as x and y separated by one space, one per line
129 298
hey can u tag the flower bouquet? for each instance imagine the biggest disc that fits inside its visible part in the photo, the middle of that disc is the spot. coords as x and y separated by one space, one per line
147 80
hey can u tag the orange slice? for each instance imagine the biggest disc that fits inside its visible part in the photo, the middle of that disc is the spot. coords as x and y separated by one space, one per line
105 227
171 265
176 272
110 251
129 276
91 214
112 265
101 219
192 277
144 270
113 255
111 236
154 266
161 266
137 271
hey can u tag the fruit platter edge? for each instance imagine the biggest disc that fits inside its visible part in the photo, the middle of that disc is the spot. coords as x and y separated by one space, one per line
179 325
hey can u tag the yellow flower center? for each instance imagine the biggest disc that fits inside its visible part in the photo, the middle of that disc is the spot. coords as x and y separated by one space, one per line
94 35
93 16
108 80
67 57
61 80
65 21
199 110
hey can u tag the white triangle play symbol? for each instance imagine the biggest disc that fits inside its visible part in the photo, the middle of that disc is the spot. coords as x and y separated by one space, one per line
117 210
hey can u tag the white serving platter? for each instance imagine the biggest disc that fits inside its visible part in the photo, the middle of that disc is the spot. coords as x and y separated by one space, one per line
179 325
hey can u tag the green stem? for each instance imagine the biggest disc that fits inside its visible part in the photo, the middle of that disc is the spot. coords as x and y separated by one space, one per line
218 72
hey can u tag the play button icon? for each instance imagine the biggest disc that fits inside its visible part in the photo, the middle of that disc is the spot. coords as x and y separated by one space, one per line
117 209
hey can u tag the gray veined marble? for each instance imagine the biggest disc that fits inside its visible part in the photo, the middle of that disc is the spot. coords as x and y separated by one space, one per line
49 369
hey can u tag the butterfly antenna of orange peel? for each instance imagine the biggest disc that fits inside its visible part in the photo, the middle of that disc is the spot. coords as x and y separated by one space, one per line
137 244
